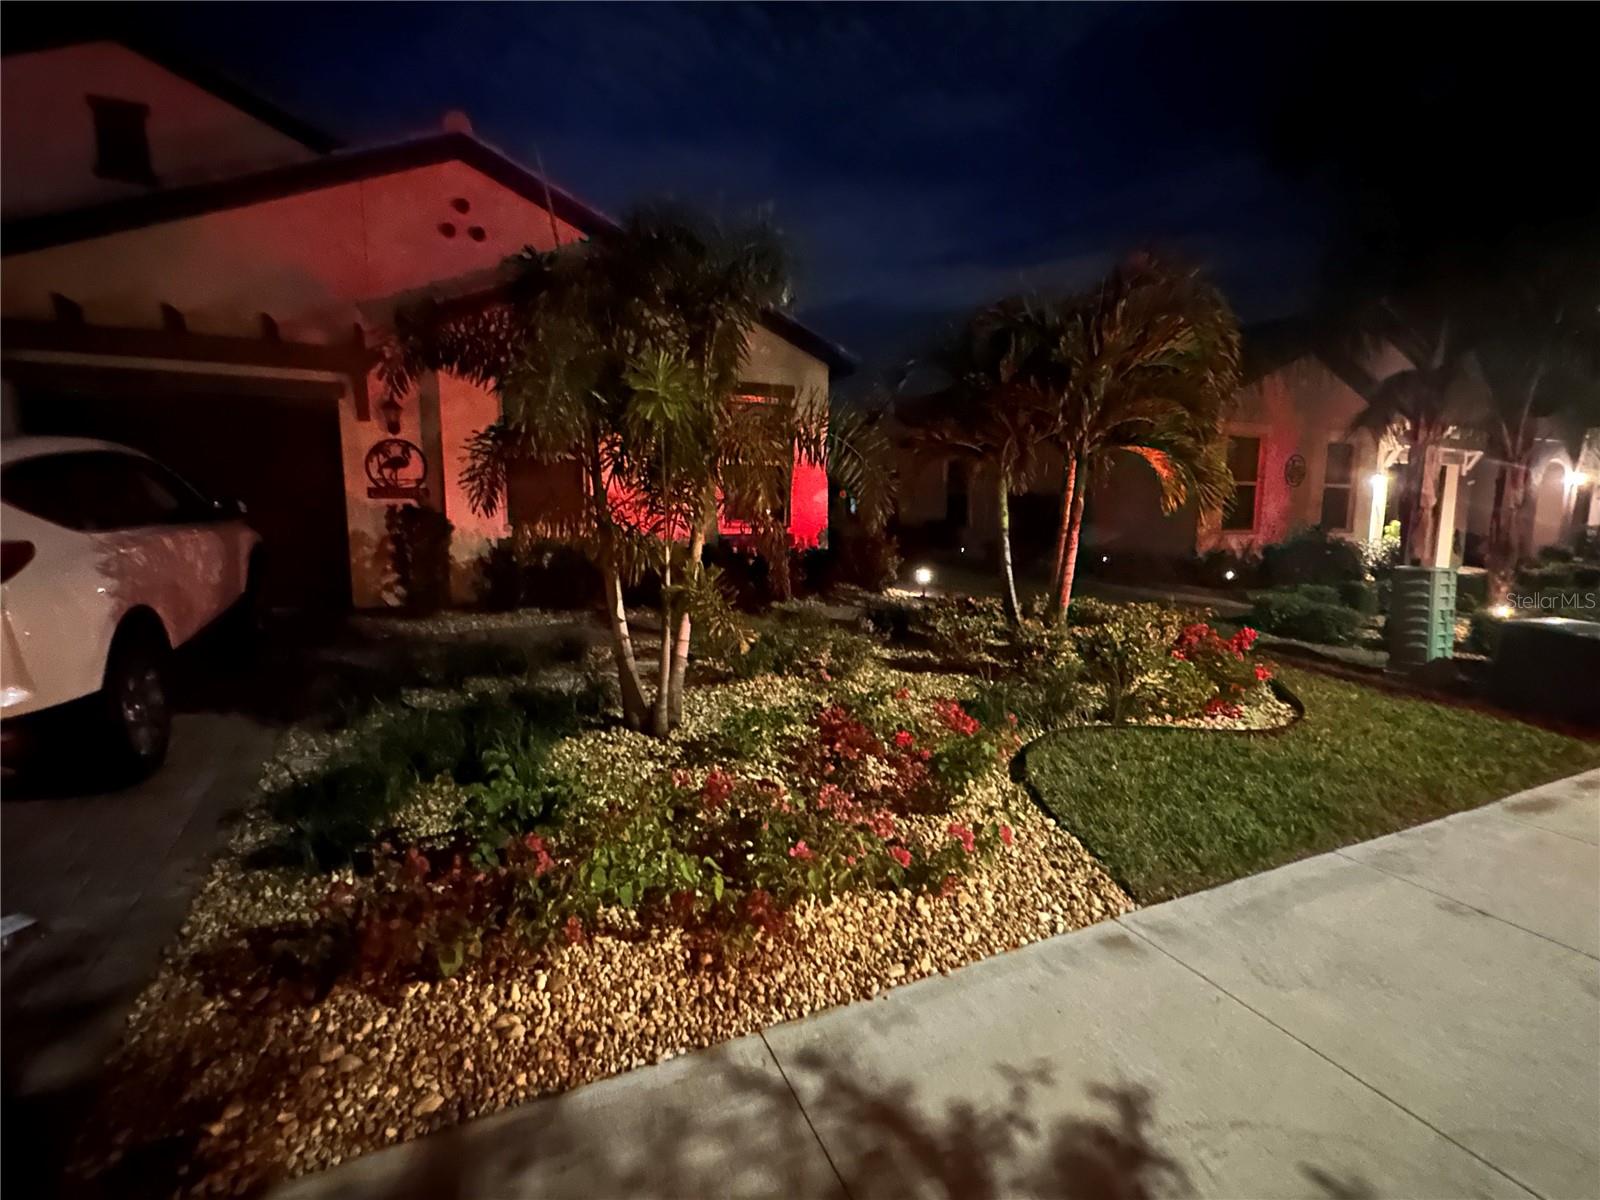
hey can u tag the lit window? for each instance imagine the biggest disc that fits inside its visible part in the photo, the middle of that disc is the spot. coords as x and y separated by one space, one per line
1337 483
1244 461
121 141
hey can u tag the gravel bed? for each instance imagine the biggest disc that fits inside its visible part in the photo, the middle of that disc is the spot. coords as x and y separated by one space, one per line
221 1089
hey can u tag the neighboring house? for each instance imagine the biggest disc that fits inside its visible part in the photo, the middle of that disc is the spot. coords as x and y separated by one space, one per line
1295 463
193 272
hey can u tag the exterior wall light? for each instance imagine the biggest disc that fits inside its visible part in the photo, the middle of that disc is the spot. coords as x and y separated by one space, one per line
390 411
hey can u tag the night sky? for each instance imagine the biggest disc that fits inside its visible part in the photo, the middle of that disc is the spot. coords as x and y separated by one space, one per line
925 158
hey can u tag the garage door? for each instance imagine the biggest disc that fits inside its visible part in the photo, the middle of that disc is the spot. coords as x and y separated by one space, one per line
276 452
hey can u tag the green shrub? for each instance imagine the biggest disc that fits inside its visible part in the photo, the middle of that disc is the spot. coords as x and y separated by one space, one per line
1126 650
1317 593
1555 554
1472 590
1290 614
519 792
1312 556
1037 645
419 555
867 560
1382 556
796 641
970 634
891 620
339 811
1045 698
1537 579
1360 595
1586 576
516 573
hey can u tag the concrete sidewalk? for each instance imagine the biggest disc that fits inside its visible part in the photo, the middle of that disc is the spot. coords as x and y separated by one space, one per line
1417 1016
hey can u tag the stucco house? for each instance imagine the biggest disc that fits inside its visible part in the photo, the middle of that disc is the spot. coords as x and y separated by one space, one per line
196 273
1295 462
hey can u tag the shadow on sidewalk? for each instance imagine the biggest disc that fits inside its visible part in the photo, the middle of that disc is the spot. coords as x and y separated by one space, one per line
750 1139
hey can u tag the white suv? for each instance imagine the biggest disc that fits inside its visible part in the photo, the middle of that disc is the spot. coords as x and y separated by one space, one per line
108 562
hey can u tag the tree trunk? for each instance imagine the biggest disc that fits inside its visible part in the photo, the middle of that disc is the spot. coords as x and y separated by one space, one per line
1071 532
634 710
1058 560
1069 561
659 725
1505 529
1008 578
680 643
1422 491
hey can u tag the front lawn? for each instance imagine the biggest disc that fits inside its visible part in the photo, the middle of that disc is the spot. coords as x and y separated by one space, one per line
482 888
1169 812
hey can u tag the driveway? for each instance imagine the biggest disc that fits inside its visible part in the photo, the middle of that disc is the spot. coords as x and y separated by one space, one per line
108 875
1416 1016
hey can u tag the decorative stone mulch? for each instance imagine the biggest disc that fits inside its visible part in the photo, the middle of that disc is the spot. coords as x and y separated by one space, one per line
224 1084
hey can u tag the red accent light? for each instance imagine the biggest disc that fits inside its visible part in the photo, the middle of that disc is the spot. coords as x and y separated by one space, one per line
13 557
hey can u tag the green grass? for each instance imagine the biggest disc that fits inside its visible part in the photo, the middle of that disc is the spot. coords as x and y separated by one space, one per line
1172 811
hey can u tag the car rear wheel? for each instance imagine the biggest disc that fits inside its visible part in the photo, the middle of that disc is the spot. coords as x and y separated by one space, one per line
133 712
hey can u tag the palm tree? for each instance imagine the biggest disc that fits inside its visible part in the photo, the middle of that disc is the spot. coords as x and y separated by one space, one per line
1415 404
620 355
1145 365
989 410
1539 357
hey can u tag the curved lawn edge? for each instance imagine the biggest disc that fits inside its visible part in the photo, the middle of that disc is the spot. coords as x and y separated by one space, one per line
1166 817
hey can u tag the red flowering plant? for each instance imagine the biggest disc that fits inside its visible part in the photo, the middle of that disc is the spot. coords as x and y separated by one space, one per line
1226 663
418 917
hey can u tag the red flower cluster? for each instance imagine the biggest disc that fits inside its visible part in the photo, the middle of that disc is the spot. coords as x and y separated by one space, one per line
717 788
542 862
844 736
1262 674
573 931
903 739
801 851
955 718
1200 637
901 855
902 693
1005 834
965 836
1218 707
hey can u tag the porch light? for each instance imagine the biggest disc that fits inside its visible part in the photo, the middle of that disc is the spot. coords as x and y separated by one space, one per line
390 410
1377 479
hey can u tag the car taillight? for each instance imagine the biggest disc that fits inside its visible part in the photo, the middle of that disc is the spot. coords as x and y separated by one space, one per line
13 557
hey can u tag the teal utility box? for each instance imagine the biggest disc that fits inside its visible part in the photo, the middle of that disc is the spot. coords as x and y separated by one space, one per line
1422 615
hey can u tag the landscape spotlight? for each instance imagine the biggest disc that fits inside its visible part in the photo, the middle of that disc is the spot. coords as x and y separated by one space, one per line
923 576
1502 610
1228 575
